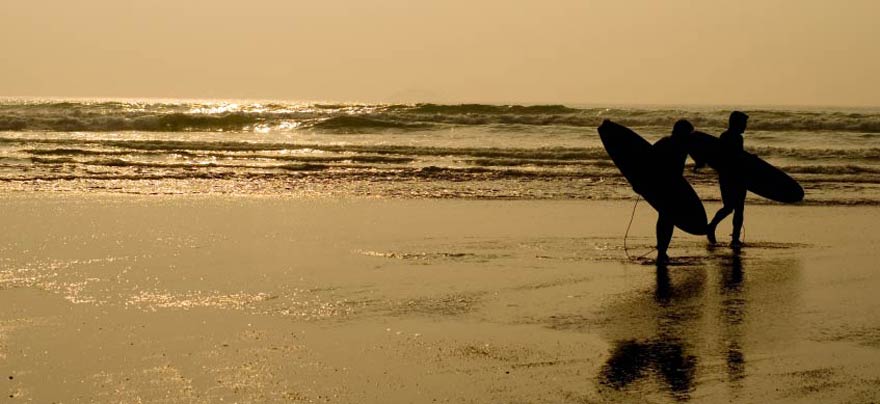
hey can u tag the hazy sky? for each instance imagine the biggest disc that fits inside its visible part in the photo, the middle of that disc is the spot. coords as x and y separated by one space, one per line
792 52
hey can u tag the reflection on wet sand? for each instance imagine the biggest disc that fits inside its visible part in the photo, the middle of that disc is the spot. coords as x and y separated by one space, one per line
733 310
666 355
662 341
633 360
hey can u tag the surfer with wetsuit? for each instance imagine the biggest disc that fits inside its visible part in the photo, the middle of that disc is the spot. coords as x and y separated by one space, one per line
670 154
733 189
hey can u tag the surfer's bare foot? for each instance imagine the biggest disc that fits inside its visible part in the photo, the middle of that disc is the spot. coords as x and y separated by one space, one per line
662 259
736 244
710 234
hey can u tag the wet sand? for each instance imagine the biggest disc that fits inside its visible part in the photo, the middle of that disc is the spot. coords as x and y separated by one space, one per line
188 299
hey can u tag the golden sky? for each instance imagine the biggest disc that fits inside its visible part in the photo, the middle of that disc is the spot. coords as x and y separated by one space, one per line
753 52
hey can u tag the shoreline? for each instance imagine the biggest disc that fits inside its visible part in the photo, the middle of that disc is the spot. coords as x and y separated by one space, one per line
710 196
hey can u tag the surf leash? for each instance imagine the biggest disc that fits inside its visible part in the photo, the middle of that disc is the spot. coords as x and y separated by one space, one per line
626 234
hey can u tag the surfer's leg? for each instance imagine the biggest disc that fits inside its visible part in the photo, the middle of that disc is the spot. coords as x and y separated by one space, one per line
729 201
737 227
738 217
664 237
722 213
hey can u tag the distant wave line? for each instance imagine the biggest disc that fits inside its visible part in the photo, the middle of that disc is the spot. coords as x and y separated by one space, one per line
355 118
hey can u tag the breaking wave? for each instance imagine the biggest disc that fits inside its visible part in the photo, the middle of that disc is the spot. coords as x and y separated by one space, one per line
357 124
67 116
403 153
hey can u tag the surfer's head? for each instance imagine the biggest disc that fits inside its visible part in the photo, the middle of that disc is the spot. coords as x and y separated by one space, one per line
737 121
682 127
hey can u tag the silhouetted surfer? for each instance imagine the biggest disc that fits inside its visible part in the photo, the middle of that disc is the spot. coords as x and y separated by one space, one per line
670 153
733 189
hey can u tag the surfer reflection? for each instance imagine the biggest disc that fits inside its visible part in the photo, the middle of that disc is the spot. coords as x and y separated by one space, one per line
692 332
664 355
632 360
730 178
670 153
668 350
733 308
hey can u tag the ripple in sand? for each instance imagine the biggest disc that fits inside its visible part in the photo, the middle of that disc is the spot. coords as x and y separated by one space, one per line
154 300
518 356
62 277
810 382
447 305
298 303
427 258
160 383
866 336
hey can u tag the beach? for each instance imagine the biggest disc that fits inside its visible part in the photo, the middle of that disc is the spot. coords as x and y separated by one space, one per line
439 202
218 298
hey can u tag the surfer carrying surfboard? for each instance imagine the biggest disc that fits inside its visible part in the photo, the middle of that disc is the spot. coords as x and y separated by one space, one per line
730 178
655 173
669 154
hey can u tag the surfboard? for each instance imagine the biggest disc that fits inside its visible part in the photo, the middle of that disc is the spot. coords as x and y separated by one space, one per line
760 177
672 196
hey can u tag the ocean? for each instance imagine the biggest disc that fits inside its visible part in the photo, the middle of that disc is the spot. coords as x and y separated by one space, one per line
469 151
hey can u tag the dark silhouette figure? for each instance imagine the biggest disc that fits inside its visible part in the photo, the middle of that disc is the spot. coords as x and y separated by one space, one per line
733 189
670 154
665 357
733 307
